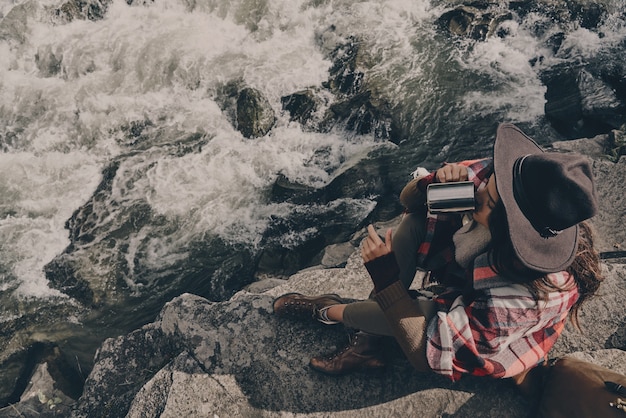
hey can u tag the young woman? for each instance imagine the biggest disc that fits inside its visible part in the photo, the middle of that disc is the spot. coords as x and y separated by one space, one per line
512 275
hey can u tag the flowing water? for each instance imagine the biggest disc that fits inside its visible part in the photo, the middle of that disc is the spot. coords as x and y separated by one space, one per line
136 92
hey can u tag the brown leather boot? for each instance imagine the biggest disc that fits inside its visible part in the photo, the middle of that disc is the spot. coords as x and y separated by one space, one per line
300 306
364 352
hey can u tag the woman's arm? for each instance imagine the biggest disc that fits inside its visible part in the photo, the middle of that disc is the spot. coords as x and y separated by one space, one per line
405 318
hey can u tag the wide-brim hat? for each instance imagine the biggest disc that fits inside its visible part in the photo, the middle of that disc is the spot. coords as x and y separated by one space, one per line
545 196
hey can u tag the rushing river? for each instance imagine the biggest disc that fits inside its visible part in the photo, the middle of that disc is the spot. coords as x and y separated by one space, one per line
133 96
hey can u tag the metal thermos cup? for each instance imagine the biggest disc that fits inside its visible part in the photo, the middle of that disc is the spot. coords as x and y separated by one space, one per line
450 197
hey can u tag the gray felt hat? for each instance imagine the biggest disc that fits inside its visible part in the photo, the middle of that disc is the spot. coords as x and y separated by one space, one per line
545 196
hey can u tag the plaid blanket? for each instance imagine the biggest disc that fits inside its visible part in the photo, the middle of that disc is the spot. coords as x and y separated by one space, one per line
499 332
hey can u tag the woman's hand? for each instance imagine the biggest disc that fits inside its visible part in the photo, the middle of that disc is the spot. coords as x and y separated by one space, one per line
373 246
451 172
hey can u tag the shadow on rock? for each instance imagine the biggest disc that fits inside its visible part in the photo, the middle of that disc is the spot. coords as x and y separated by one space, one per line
238 350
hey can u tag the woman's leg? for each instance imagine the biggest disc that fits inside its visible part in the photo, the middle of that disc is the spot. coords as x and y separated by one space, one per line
367 315
406 241
366 349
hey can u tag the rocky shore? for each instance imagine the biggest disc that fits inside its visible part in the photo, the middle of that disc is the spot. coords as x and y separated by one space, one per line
234 358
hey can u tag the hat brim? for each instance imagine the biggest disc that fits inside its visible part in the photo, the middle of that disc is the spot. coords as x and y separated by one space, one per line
546 255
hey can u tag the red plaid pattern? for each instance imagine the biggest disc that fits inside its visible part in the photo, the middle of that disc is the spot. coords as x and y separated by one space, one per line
502 331
498 331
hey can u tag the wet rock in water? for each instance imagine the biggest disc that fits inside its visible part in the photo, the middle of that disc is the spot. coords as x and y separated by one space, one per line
65 276
477 21
346 74
356 107
616 146
364 179
82 9
247 109
255 116
361 115
580 104
599 101
18 368
285 190
14 26
328 215
301 105
48 63
360 181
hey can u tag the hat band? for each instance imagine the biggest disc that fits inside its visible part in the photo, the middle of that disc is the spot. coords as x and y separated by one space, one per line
524 204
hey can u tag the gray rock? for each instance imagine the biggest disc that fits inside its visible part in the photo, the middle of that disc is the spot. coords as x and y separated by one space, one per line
14 26
255 116
473 22
301 105
82 9
42 398
247 109
236 359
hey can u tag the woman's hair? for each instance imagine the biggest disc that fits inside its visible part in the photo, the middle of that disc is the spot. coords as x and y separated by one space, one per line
585 268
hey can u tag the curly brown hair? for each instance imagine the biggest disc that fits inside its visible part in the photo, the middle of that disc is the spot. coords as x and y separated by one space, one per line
585 269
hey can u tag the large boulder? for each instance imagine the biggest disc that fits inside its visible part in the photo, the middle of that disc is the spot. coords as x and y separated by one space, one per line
255 116
477 21
247 108
236 358
580 104
301 105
